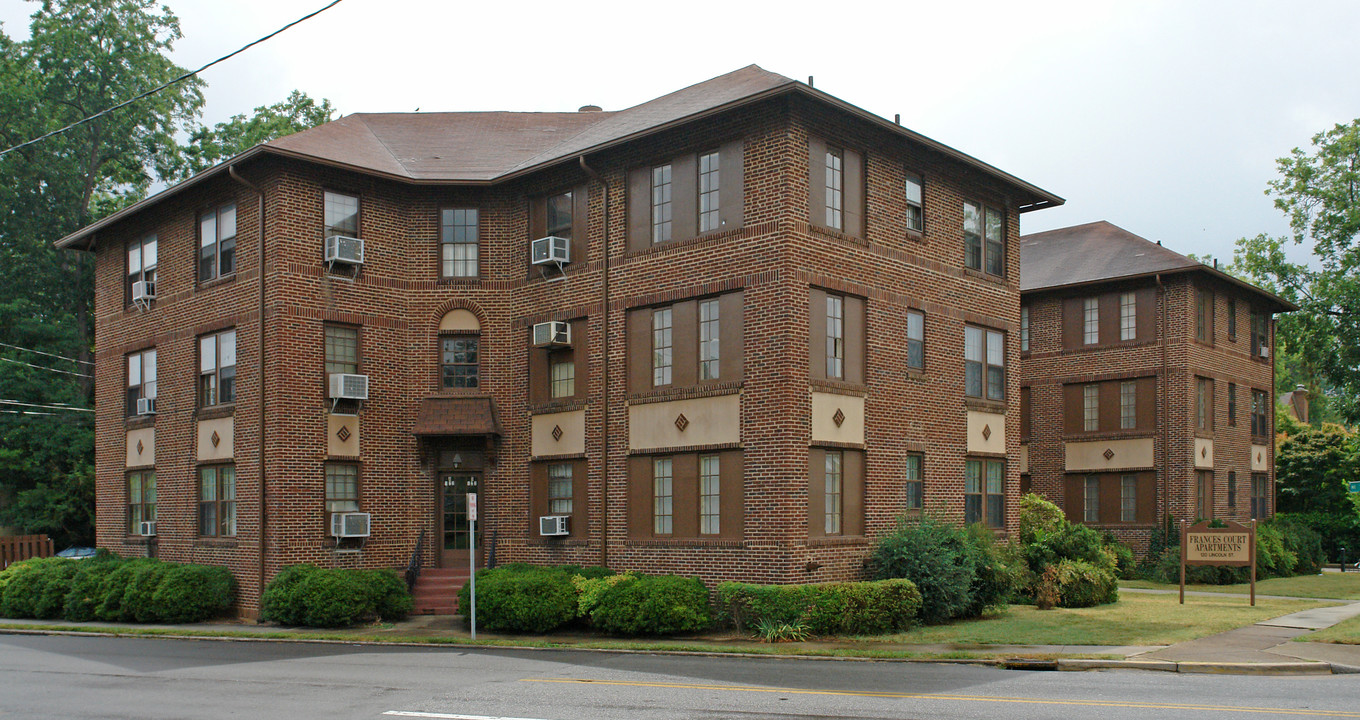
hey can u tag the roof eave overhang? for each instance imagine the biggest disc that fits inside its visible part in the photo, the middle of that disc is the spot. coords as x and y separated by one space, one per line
1282 305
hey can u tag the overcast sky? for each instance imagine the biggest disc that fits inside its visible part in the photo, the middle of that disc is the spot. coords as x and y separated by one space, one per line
1164 118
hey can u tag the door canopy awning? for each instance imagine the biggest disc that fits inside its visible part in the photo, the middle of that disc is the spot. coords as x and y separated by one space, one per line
457 416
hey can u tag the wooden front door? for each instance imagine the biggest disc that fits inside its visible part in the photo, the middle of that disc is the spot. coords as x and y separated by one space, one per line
455 545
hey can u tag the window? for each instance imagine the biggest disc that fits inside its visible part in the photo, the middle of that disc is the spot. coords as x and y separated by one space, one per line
835 188
709 339
342 350
460 361
1128 316
217 500
984 361
983 481
1128 498
562 369
835 468
1090 408
141 494
1091 500
1090 327
916 340
916 216
710 185
1204 316
835 337
141 378
1204 404
1232 490
141 263
217 369
342 489
1232 319
1260 496
709 495
1260 335
663 497
1024 328
341 214
662 357
981 223
661 204
559 488
1260 417
1204 495
458 242
217 242
560 217
913 482
1232 404
1128 405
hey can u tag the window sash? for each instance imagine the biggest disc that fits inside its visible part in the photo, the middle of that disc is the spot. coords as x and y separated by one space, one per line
662 348
217 242
341 215
1128 498
1128 405
559 215
835 337
972 236
1090 408
217 501
710 481
709 340
663 497
996 365
559 488
1090 309
916 336
461 361
342 488
983 487
661 204
342 349
834 482
710 185
1202 397
563 372
1091 500
217 369
996 242
1128 316
141 488
458 236
1024 328
913 482
913 194
835 188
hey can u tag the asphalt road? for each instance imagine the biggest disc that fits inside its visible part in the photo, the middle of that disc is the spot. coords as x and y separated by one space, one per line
95 677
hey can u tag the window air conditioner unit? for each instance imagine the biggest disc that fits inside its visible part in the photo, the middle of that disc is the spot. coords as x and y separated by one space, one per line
552 334
147 529
1265 351
344 249
349 387
143 291
551 250
146 406
553 525
345 525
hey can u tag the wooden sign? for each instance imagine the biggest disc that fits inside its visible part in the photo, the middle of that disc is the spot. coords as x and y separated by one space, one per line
1233 545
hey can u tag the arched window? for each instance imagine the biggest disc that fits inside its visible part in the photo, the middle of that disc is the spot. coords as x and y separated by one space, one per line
459 354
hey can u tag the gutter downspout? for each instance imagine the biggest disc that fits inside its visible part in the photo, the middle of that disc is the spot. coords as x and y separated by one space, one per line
1162 383
604 373
264 507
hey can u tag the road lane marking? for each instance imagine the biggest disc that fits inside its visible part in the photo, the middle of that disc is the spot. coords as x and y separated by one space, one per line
448 716
966 698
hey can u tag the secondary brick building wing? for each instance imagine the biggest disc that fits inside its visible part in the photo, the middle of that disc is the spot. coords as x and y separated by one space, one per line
735 331
1147 383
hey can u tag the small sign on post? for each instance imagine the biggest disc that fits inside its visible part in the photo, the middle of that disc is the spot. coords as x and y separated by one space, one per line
1231 545
472 561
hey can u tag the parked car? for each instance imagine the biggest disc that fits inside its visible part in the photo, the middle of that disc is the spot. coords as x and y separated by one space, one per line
77 553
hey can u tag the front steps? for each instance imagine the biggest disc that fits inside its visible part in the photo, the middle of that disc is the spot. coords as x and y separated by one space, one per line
436 591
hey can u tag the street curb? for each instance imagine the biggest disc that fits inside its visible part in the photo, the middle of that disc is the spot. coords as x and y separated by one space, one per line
1230 668
1079 664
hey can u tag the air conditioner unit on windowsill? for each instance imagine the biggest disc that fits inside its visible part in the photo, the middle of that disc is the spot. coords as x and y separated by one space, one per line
552 334
551 250
146 406
147 529
553 525
347 525
344 249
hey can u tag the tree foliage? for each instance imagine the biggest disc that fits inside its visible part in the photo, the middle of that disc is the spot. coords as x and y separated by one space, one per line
1319 192
1312 469
209 146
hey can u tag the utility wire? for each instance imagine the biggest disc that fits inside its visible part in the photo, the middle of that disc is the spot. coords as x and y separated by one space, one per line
48 354
165 85
40 367
44 407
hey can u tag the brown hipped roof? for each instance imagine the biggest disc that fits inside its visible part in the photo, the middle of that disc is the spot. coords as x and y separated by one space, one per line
471 148
1101 251
457 416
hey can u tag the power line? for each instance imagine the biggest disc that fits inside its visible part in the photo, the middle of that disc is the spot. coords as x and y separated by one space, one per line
45 407
40 367
48 354
165 85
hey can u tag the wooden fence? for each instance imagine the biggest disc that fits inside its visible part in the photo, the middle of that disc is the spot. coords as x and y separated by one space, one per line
23 547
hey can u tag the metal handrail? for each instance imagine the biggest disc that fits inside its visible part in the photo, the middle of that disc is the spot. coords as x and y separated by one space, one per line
413 567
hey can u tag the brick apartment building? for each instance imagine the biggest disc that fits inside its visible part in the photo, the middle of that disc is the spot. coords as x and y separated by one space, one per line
771 322
1147 383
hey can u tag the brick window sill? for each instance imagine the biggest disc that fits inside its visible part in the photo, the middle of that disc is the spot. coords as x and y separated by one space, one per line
215 412
996 406
556 406
666 394
985 276
215 543
1111 435
138 422
685 542
839 387
217 281
566 542
837 540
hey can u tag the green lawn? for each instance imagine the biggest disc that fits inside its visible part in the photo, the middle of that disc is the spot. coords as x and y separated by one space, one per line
1137 619
1345 633
1345 586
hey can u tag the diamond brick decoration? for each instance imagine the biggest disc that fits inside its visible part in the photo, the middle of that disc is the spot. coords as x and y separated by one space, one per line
343 433
1204 452
139 447
557 432
986 432
681 422
216 439
1109 454
1258 456
838 418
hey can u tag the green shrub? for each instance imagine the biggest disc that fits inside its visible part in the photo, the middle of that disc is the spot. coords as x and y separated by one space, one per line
137 599
522 598
852 608
1039 517
82 602
654 605
192 593
37 588
391 598
589 590
333 598
1303 541
996 571
113 590
1069 542
934 555
280 602
1081 584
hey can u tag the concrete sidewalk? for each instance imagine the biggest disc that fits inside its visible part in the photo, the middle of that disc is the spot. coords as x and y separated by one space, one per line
1270 643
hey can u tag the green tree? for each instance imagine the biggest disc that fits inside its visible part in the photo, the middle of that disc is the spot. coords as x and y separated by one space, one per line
1312 469
1319 191
209 146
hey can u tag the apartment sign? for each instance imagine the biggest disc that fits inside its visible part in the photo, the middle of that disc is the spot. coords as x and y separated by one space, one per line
1230 544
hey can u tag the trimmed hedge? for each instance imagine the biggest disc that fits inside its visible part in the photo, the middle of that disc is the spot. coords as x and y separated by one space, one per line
522 598
1081 584
310 596
653 605
841 608
935 556
111 588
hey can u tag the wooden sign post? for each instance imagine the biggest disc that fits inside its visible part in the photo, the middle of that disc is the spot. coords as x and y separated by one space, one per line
1231 545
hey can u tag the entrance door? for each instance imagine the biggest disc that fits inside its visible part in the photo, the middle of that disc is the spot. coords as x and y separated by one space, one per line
454 489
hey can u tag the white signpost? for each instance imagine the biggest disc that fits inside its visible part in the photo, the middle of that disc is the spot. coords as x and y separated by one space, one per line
472 560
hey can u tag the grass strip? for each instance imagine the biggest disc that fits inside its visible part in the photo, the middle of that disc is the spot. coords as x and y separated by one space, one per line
1344 586
1346 632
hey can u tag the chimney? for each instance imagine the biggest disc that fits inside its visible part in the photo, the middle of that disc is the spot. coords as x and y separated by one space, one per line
590 108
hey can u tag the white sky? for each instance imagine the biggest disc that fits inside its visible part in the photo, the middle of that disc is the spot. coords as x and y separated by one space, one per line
1162 117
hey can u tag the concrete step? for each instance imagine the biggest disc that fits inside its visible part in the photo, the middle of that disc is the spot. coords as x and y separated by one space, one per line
436 591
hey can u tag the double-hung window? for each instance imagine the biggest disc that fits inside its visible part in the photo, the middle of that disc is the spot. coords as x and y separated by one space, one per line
1090 407
1128 498
459 361
1260 495
663 496
1128 405
835 476
662 347
710 186
217 369
141 489
141 378
1260 419
562 369
1232 404
1260 334
913 481
141 264
835 188
217 500
916 340
1091 500
342 488
342 350
661 204
217 242
709 494
458 242
983 484
341 214
1090 321
915 198
984 360
559 488
1128 316
835 337
1024 328
709 340
560 215
1232 319
1204 404
1204 316
984 238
